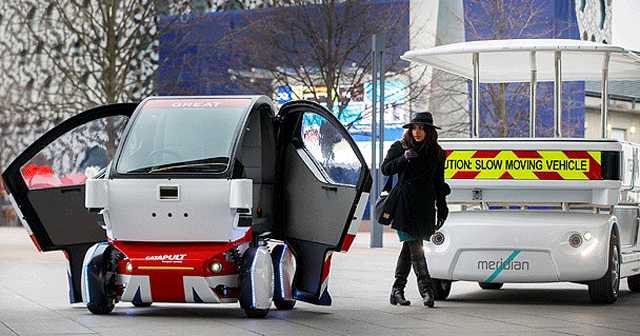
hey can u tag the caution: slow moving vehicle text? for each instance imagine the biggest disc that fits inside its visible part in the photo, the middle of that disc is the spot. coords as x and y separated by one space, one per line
523 165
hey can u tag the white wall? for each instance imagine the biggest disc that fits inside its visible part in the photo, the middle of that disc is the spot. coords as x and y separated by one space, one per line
625 24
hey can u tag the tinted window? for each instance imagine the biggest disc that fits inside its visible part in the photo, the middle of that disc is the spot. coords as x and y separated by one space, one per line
77 155
330 149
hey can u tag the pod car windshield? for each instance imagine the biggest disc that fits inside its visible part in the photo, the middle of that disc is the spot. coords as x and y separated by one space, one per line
182 135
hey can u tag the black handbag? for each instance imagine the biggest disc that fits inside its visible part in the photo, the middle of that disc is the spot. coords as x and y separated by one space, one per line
386 203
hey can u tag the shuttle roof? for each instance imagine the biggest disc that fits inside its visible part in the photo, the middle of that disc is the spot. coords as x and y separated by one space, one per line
509 60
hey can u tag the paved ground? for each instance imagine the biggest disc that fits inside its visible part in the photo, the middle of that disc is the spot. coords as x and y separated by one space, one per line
33 301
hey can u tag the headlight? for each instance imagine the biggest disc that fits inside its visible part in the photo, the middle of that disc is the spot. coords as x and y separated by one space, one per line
437 238
575 240
216 267
129 267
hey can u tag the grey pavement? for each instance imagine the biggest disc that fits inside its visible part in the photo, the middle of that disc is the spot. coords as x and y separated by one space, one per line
33 301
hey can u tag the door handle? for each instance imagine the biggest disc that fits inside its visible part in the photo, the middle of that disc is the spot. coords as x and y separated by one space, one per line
330 188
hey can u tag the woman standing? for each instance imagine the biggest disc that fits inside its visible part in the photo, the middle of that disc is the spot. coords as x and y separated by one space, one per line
418 160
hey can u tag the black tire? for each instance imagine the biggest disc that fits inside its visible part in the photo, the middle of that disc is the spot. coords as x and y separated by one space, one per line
100 308
101 282
634 283
605 290
441 288
246 287
284 304
142 304
278 297
256 313
490 285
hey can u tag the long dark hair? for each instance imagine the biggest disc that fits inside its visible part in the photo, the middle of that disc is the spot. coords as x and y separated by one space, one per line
430 142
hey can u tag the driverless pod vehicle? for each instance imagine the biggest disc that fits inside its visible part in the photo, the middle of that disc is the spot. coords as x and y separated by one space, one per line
194 199
538 209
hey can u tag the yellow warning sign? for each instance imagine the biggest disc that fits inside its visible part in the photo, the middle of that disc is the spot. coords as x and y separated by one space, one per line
523 165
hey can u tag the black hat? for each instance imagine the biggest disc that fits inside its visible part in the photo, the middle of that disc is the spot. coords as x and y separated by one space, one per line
424 118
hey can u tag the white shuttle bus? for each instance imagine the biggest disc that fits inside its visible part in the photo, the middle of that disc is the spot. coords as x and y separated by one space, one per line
538 209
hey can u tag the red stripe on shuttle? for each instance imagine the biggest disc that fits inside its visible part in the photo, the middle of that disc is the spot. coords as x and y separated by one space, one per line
506 176
465 175
548 175
577 154
448 152
527 154
325 269
348 240
35 242
485 154
595 170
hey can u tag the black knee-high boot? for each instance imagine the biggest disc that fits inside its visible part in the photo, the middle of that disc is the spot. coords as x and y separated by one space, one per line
425 284
403 267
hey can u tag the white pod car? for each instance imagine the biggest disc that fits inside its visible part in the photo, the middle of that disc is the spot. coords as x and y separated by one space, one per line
188 191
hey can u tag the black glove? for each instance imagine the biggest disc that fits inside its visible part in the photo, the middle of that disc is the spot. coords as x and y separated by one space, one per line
410 154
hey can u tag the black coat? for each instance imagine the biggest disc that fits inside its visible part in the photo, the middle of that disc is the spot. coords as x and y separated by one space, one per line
422 188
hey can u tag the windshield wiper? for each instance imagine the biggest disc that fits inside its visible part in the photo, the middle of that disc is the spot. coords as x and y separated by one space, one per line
220 163
140 170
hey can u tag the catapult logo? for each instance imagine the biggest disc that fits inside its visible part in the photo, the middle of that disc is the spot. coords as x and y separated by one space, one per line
506 265
167 257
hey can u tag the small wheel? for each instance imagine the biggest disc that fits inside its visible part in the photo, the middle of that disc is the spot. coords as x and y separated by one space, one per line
284 304
634 283
605 290
283 274
142 304
442 288
256 282
100 281
100 308
490 285
256 313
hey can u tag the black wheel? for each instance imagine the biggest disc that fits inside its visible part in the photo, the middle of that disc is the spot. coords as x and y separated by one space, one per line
142 304
256 313
247 289
100 280
605 290
634 283
490 285
442 288
277 254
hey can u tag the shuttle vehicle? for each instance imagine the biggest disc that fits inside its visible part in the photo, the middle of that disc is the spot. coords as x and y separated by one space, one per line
538 209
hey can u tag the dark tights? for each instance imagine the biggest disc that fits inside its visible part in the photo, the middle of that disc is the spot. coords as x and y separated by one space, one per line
412 254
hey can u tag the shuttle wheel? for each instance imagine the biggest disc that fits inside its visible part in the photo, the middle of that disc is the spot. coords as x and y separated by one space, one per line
282 260
634 283
605 289
100 281
256 282
490 285
442 288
